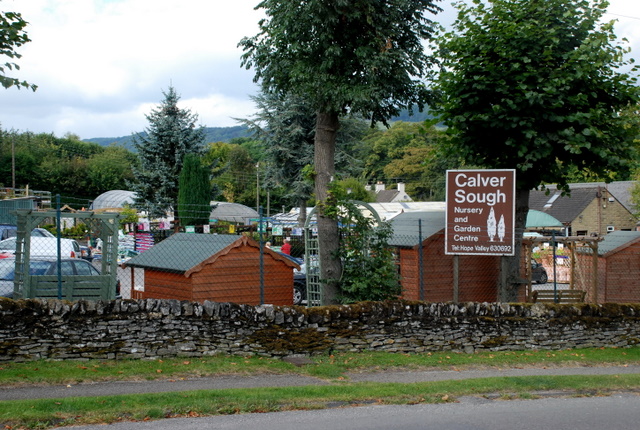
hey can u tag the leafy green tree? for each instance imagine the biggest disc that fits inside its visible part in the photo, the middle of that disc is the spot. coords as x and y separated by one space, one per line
194 196
12 36
369 269
355 190
535 85
172 133
343 56
386 145
110 169
233 169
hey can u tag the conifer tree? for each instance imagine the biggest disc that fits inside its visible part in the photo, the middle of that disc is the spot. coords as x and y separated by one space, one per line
172 133
194 195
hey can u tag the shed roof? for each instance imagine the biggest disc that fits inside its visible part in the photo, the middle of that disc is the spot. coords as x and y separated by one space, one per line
188 252
406 225
410 227
616 241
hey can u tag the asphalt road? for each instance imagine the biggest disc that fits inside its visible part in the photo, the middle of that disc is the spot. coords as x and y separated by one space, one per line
616 412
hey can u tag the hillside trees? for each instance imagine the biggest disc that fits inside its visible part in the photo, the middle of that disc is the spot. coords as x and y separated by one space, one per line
65 166
172 133
12 36
536 85
349 56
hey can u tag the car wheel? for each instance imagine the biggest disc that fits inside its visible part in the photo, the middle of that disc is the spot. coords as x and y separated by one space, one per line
543 278
298 294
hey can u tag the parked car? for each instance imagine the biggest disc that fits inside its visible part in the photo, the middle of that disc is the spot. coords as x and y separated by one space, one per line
46 266
299 288
538 272
44 247
299 280
8 230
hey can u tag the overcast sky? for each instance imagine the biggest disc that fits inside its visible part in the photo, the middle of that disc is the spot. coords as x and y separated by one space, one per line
101 65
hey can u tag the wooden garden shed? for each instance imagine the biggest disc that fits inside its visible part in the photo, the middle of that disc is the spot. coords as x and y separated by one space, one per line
618 268
419 240
220 268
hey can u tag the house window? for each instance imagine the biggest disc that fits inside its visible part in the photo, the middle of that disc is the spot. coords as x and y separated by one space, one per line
581 233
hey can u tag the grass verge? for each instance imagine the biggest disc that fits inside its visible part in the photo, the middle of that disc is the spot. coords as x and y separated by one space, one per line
43 414
324 366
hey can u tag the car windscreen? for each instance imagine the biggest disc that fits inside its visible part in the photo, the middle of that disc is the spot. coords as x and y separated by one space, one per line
39 267
8 245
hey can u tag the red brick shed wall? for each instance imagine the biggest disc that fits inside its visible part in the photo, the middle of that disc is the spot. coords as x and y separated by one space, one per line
622 276
234 277
478 275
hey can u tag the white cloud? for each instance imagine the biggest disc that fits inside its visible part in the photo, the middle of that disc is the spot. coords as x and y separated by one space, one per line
101 65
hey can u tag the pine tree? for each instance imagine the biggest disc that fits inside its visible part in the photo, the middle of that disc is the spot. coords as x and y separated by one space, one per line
194 196
171 135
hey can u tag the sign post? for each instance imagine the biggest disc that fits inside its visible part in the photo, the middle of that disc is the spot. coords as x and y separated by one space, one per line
480 212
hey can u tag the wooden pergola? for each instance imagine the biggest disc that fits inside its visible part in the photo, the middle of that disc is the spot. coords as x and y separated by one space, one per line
67 287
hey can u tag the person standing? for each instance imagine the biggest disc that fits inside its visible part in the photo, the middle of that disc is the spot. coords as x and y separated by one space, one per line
286 246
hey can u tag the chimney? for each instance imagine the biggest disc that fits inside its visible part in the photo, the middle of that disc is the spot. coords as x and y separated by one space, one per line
401 187
379 186
367 187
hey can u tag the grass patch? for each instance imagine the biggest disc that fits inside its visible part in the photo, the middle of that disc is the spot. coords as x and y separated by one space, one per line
324 366
333 366
47 413
73 371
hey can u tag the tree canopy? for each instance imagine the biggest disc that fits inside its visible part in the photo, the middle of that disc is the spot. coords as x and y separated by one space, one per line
347 56
12 36
537 86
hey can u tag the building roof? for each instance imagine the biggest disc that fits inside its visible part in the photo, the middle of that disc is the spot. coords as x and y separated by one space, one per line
563 208
616 241
188 252
621 190
388 196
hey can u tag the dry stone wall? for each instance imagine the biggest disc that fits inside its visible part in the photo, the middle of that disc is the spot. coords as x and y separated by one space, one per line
52 329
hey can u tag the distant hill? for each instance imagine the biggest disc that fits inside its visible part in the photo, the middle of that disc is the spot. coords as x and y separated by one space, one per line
225 134
212 134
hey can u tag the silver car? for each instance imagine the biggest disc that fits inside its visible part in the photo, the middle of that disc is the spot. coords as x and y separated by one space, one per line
45 266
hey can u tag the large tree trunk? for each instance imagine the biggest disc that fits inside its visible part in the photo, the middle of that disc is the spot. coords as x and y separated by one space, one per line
328 236
302 216
510 280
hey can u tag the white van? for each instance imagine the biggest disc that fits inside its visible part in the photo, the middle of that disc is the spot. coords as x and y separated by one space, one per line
44 247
